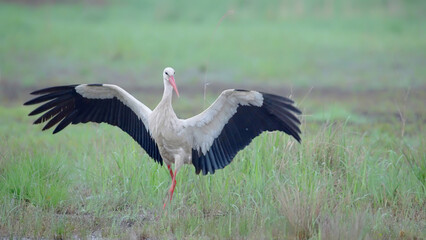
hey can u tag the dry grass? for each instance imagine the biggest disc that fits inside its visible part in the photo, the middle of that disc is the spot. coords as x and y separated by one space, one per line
302 210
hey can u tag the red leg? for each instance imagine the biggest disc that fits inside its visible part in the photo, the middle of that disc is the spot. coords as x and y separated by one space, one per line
171 175
171 172
178 164
172 188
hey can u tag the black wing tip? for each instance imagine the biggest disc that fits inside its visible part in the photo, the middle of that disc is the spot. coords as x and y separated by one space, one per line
297 110
30 102
38 121
49 93
32 113
298 139
296 135
45 128
287 104
53 89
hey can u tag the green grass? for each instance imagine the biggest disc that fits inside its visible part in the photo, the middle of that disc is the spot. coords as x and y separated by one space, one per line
355 68
95 178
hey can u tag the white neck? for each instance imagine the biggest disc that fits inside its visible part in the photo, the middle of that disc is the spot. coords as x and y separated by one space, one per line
163 116
167 94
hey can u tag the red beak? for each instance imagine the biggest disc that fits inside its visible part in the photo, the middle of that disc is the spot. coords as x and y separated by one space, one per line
172 81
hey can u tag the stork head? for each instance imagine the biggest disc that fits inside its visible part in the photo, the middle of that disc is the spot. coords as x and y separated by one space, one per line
169 78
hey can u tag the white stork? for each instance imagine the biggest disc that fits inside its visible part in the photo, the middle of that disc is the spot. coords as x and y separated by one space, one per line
209 140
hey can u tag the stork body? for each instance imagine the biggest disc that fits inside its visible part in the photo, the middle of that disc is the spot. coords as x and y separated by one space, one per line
164 127
209 140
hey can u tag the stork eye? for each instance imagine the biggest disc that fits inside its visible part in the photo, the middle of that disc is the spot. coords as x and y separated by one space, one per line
167 74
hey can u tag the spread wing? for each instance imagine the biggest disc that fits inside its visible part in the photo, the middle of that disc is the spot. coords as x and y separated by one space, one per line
98 103
232 121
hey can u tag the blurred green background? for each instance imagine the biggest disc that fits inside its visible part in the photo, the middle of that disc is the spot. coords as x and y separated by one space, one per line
360 63
330 44
320 49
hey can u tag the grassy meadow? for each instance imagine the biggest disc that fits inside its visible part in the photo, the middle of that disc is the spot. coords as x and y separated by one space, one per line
355 69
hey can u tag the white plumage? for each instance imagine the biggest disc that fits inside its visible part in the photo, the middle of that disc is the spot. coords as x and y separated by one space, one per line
209 140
